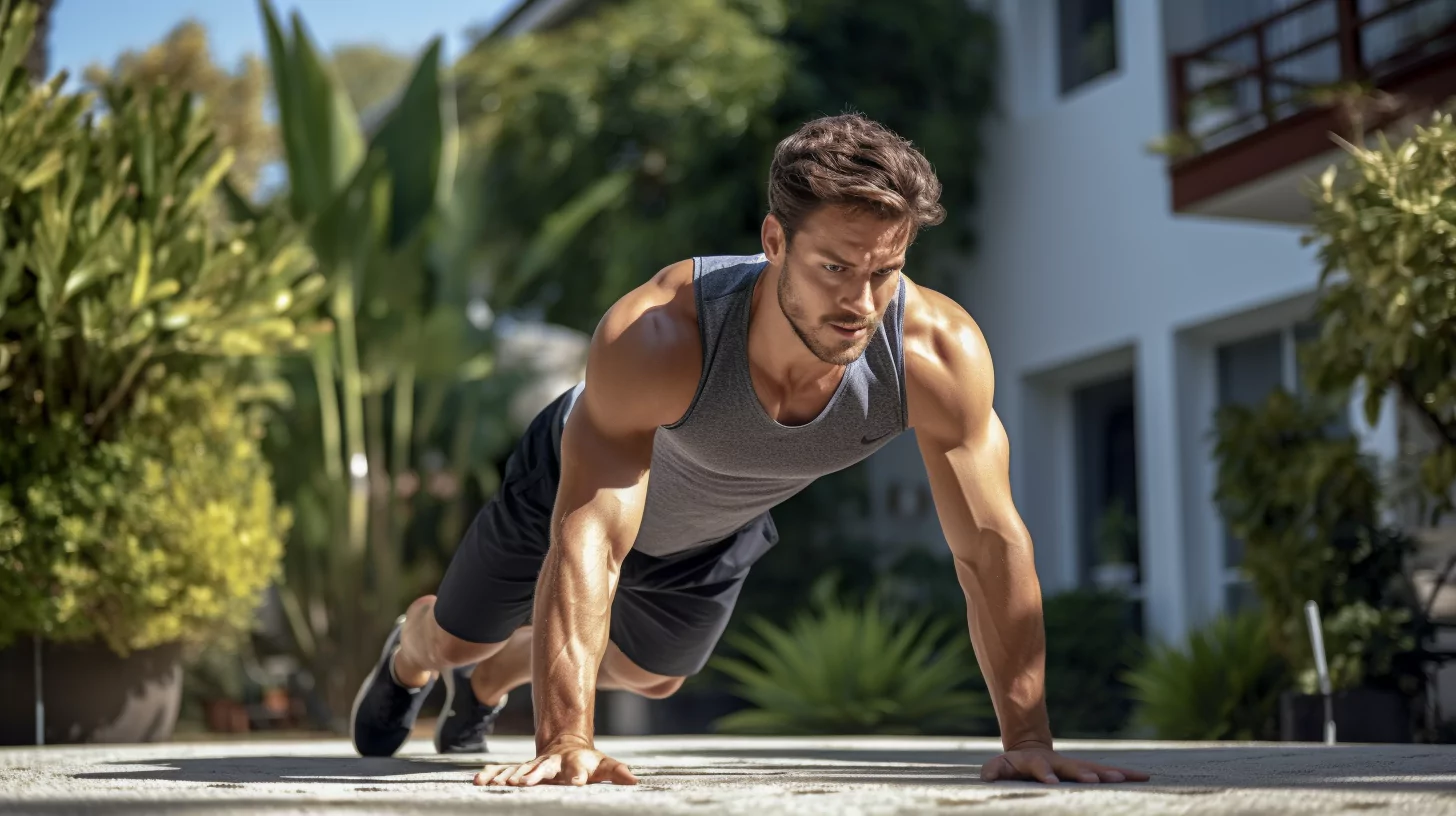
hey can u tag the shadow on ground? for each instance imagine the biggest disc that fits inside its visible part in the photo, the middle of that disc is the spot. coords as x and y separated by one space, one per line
250 769
1189 771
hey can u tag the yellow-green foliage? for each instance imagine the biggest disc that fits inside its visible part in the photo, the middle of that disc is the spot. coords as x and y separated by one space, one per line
167 532
135 505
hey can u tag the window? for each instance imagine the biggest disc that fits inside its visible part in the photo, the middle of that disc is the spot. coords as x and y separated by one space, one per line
1107 486
1249 371
1087 40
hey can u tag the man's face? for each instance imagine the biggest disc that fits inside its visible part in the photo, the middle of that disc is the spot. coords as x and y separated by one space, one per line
838 278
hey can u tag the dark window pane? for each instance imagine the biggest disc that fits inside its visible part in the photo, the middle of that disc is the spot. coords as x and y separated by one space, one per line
1248 372
1087 33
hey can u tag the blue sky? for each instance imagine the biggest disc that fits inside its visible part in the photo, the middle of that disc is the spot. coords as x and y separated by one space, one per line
87 31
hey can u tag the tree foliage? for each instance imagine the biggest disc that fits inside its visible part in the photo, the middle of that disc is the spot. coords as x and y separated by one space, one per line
650 125
1385 224
371 74
135 504
1307 507
234 100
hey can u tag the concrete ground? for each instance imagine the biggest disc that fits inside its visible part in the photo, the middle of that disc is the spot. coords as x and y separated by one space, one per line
726 775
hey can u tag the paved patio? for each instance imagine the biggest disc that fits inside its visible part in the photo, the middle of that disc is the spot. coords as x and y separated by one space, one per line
723 775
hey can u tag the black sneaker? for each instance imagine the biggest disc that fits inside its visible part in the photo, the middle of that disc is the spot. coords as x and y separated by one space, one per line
464 721
384 711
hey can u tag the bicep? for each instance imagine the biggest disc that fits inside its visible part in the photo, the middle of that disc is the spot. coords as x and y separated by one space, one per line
970 481
604 471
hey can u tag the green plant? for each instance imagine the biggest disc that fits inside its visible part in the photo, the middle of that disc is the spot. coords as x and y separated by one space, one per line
1090 644
1306 505
854 669
648 125
1383 221
1117 533
1224 685
134 503
164 531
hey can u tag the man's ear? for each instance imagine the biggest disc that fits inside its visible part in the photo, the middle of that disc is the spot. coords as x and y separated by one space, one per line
775 239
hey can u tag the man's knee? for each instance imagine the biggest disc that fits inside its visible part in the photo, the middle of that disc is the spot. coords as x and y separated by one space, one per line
661 689
619 671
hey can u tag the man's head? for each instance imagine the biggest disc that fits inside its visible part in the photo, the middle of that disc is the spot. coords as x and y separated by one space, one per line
846 199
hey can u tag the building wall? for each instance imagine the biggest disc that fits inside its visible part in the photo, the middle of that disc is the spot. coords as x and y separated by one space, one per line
1082 275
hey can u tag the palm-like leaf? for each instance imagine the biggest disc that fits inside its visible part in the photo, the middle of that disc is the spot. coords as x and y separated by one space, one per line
852 669
1224 685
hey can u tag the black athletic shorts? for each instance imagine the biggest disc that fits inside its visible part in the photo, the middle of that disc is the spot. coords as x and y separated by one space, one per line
668 613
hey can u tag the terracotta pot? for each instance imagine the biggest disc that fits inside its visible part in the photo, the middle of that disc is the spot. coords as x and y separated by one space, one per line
91 694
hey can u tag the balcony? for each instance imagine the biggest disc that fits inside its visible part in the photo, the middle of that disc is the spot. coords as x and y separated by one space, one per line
1253 111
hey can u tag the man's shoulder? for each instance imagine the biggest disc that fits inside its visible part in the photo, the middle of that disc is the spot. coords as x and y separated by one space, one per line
939 332
948 367
646 351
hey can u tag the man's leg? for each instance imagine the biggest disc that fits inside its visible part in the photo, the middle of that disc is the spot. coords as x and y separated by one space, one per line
509 667
484 596
425 649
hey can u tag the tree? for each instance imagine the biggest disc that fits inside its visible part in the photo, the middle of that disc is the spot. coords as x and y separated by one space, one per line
1385 224
370 74
234 100
650 125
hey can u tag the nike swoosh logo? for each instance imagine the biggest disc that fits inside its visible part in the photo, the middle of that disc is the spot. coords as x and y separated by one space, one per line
869 440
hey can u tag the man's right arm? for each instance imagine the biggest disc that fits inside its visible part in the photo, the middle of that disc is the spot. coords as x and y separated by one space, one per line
642 371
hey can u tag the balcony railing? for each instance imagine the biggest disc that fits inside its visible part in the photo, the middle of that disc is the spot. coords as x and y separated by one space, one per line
1276 67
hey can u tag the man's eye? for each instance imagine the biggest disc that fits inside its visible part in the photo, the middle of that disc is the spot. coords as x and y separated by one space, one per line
886 272
834 267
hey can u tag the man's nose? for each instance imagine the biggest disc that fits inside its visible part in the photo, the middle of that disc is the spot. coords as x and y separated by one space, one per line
861 301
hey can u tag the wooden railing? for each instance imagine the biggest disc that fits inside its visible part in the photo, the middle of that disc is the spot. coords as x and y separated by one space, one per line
1278 90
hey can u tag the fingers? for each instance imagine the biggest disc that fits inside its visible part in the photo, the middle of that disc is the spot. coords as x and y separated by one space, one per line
577 769
1038 768
491 773
536 770
1127 775
1019 765
615 772
544 772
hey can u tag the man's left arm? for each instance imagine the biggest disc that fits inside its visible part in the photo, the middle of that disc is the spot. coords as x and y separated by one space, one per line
949 379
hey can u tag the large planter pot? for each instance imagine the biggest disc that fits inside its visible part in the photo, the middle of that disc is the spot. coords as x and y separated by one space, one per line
91 694
1361 715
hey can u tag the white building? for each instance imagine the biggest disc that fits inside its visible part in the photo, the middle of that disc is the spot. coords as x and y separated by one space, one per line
1125 300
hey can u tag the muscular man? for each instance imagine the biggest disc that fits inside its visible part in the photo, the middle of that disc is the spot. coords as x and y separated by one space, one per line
635 505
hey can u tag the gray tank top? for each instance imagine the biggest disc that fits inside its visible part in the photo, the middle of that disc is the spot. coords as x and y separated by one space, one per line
726 461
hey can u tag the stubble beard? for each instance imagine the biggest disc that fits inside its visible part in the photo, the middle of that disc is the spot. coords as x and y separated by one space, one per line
840 353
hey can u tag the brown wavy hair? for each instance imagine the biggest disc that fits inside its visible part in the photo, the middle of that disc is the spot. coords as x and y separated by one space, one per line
853 161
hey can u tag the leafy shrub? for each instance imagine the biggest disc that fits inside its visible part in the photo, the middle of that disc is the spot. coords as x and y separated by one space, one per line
167 532
1306 504
854 669
1224 686
1090 644
134 503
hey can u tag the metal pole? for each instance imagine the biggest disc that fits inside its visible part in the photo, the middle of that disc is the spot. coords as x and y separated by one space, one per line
1317 639
39 698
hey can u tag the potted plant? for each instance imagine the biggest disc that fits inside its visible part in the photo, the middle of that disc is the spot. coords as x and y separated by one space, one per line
1117 540
137 516
1306 503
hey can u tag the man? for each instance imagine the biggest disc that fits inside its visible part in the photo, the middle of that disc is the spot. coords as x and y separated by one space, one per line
635 505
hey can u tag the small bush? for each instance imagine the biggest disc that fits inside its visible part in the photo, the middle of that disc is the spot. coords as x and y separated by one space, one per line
167 532
1091 644
855 669
1224 686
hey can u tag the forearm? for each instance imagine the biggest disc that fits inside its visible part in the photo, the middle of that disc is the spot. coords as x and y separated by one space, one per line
1004 612
569 637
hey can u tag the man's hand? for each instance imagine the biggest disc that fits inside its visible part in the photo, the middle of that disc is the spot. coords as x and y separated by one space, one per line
1042 764
566 765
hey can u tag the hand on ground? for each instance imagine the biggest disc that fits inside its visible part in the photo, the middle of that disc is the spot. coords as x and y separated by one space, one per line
564 766
1045 765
